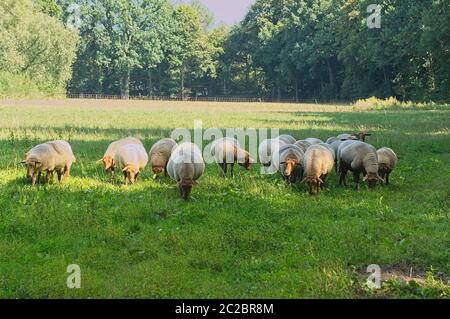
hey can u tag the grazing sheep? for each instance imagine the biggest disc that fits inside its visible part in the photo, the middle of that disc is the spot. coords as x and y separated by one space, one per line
289 160
303 145
227 151
159 155
186 166
332 139
132 159
313 140
330 148
267 148
345 136
318 164
288 139
387 160
108 158
360 136
358 157
49 157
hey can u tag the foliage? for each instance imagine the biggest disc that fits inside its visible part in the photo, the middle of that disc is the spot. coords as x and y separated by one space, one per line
35 45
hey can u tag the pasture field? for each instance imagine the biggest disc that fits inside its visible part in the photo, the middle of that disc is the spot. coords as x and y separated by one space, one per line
244 237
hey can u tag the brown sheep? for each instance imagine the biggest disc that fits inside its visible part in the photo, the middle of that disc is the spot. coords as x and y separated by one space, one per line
227 151
318 164
160 154
387 160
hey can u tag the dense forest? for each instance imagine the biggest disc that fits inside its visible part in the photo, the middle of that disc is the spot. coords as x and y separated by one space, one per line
286 49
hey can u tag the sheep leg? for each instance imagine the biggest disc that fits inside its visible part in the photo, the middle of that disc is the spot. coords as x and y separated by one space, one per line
231 169
356 180
49 177
387 178
324 179
342 179
67 171
39 177
222 170
33 179
60 175
125 177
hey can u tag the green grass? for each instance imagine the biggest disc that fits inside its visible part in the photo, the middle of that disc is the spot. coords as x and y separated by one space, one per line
244 237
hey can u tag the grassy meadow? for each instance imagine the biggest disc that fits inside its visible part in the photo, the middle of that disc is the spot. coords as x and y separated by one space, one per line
244 237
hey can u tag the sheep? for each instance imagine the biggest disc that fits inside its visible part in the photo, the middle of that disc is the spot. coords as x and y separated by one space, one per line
387 160
49 157
330 148
303 145
289 160
360 136
288 139
358 157
108 158
159 155
227 151
332 139
313 140
266 149
132 159
318 163
186 166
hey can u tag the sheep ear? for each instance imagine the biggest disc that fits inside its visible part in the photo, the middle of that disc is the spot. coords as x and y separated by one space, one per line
381 179
100 161
125 168
23 162
320 180
365 178
303 180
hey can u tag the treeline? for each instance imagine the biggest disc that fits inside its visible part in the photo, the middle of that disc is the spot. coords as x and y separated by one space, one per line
296 49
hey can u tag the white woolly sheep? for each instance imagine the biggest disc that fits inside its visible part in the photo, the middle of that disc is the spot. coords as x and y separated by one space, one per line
108 158
186 166
358 157
50 157
289 160
313 140
318 164
132 159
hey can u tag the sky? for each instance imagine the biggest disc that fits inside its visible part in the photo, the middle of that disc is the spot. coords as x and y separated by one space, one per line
227 11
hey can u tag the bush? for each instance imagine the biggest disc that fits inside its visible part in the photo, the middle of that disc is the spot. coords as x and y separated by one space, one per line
374 103
19 86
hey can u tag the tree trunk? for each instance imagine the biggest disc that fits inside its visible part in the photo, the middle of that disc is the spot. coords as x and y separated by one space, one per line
182 82
150 82
296 90
125 86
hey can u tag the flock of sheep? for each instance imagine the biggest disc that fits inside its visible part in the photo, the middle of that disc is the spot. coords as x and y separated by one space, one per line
310 160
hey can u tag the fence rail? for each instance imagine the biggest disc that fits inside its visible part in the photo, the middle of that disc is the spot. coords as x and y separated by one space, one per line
194 99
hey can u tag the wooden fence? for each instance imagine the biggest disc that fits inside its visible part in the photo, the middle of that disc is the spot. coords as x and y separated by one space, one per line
193 99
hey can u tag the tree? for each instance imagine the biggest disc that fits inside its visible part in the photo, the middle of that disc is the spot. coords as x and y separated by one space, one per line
35 44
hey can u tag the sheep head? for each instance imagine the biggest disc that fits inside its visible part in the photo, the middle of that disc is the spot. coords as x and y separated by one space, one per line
247 162
32 166
157 169
313 183
289 166
185 186
108 163
361 136
372 179
130 173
